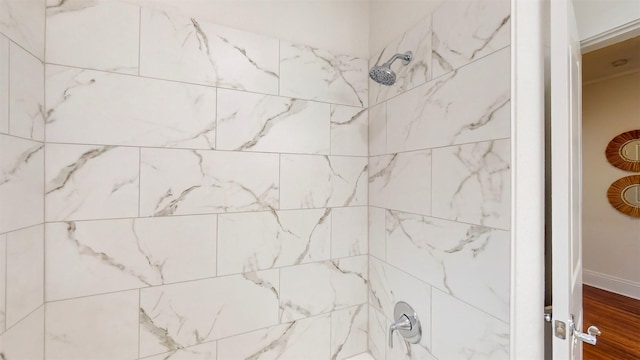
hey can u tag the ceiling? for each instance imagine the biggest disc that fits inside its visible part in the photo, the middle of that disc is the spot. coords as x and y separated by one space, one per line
597 64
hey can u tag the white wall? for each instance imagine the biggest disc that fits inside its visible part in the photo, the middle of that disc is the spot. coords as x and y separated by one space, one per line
341 26
597 16
390 18
611 240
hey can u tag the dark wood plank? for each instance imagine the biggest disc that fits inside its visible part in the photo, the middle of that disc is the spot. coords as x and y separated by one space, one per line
618 317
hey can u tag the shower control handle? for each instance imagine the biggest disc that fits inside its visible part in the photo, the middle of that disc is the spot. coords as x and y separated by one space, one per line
403 323
406 324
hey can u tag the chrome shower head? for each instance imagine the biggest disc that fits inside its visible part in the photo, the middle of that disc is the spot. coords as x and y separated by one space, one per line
383 74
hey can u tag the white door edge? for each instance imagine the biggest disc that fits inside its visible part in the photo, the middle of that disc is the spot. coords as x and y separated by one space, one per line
527 180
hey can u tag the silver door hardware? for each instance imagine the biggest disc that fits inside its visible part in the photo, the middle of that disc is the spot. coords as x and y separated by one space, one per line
548 313
407 323
590 337
561 330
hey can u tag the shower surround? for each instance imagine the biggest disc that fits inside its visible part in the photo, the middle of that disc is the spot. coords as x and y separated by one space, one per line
439 186
209 193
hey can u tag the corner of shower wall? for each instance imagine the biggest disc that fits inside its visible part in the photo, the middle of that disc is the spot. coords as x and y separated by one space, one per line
206 190
22 179
439 186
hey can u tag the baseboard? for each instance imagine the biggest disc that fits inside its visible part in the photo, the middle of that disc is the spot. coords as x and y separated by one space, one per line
611 283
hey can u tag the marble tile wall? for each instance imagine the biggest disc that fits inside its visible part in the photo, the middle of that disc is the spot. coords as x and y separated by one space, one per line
22 179
207 193
205 189
439 185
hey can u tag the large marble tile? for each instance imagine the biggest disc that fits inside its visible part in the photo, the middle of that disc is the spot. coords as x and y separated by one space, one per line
25 340
302 339
178 182
478 335
378 129
192 50
92 257
443 253
101 35
256 122
263 240
4 85
26 95
388 285
23 22
205 351
100 327
468 105
21 183
316 74
190 313
93 107
401 181
91 182
321 181
24 273
377 233
417 40
349 228
349 130
349 332
3 281
473 183
377 333
318 288
403 350
464 31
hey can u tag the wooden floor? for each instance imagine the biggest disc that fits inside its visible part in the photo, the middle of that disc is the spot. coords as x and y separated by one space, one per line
618 318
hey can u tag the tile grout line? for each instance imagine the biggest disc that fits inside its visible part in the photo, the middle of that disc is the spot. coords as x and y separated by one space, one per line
139 182
44 187
139 310
6 279
195 84
9 86
207 150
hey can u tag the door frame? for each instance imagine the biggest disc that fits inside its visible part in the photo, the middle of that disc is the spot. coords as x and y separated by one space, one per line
529 36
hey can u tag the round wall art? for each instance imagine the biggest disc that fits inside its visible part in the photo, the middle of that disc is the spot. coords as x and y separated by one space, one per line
624 195
623 151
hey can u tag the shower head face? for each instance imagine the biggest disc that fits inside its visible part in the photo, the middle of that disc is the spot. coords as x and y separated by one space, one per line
383 74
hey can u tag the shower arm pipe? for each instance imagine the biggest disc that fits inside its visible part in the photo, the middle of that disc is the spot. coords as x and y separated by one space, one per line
406 58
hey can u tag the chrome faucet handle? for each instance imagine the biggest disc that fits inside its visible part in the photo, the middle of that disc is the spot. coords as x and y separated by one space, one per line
403 323
407 323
